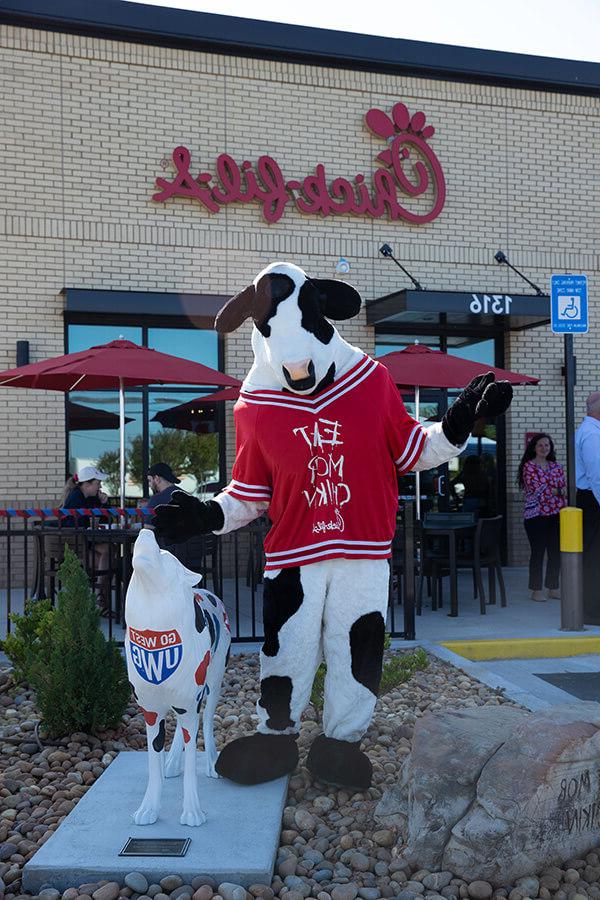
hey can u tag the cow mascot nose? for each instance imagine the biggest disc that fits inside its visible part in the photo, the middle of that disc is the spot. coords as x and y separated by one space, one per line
322 436
299 375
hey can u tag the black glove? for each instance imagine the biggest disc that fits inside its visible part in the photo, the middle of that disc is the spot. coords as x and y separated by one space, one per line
484 396
185 516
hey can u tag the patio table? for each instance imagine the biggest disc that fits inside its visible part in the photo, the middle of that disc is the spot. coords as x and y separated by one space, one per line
450 526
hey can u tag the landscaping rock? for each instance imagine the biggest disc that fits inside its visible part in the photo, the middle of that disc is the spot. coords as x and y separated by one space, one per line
495 793
230 891
137 882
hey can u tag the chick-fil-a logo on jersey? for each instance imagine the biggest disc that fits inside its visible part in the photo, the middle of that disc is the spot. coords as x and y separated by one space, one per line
409 167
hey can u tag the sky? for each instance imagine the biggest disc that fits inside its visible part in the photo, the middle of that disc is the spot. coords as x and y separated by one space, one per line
568 29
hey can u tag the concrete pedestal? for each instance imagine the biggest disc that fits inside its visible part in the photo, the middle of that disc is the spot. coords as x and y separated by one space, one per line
237 843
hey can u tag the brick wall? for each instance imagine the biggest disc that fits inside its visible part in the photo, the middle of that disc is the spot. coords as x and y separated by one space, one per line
87 122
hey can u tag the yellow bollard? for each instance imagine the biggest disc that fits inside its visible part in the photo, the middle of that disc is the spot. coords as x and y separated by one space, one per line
571 529
571 569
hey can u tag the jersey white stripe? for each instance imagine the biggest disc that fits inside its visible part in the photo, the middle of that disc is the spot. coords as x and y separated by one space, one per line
408 464
249 398
245 495
252 487
327 543
272 395
408 449
305 557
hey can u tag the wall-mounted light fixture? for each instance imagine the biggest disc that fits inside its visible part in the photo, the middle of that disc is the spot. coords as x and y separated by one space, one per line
387 251
501 259
22 353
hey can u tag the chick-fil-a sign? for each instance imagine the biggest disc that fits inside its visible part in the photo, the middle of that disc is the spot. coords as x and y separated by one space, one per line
409 169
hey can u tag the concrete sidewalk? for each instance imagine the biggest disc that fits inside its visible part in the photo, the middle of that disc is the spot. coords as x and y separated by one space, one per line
522 618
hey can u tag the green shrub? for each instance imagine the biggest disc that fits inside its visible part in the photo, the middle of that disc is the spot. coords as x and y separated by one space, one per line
396 670
400 668
80 678
30 639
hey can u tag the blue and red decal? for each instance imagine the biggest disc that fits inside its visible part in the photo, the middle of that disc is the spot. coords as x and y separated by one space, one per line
155 654
202 669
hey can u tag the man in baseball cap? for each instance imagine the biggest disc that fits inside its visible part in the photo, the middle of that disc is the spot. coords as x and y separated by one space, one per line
162 481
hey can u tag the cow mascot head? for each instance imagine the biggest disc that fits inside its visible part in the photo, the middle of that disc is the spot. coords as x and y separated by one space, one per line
296 348
321 437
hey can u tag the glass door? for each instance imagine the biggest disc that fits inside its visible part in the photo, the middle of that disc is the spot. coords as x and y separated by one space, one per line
469 482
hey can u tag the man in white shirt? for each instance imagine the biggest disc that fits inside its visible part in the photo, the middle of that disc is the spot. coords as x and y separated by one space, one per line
587 457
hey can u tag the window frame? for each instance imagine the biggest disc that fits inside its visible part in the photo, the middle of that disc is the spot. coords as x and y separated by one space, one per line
201 323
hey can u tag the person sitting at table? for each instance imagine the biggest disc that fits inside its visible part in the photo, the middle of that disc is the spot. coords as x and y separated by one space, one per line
83 490
162 481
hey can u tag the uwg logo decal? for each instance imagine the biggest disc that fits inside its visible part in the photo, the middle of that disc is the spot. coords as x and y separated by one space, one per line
155 654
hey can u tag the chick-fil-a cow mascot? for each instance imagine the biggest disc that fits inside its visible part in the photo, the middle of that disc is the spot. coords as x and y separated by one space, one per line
177 644
322 435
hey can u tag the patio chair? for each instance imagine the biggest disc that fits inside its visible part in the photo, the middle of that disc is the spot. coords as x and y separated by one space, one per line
397 565
485 554
199 554
50 549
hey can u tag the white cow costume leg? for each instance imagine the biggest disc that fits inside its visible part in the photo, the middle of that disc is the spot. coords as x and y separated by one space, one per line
322 435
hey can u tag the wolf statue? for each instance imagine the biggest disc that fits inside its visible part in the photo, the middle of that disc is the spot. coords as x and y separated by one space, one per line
177 646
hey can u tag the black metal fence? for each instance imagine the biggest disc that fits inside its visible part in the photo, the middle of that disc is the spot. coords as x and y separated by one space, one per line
32 549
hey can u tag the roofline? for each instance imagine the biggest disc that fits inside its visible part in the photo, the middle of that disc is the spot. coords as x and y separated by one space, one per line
162 26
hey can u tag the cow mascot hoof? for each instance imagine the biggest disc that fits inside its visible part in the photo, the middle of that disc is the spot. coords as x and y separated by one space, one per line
258 758
341 763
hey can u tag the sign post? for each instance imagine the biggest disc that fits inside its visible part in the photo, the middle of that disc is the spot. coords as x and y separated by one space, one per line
569 316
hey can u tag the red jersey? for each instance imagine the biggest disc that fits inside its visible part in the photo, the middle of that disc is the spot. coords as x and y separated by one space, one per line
327 464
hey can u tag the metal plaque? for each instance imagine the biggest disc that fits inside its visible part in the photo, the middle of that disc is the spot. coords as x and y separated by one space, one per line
156 847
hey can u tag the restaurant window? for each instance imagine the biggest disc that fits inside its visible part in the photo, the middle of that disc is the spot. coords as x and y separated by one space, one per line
469 482
192 445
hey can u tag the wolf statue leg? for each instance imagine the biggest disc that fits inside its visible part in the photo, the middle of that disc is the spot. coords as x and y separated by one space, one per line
148 811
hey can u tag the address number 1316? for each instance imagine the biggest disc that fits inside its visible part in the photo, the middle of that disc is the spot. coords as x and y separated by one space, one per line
498 304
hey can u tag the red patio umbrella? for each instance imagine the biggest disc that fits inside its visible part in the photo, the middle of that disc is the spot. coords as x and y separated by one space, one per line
119 364
185 416
89 418
418 366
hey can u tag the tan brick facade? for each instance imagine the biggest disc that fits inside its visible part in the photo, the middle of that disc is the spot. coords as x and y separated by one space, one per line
86 123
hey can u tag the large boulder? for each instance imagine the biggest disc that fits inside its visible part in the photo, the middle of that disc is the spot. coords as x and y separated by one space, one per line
497 792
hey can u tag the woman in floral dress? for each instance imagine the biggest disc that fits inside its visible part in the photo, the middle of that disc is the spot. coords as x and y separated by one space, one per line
543 481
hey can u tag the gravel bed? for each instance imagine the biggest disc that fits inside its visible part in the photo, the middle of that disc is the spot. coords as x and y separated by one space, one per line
330 845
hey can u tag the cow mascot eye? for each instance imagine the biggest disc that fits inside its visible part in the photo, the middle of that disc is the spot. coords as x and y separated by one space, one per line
322 435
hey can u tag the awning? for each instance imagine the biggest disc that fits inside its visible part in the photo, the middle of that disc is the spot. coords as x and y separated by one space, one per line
144 303
485 310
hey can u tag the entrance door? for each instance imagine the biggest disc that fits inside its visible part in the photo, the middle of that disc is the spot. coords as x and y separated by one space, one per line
468 482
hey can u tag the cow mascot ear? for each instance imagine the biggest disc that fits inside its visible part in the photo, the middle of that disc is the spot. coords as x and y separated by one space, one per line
338 300
251 303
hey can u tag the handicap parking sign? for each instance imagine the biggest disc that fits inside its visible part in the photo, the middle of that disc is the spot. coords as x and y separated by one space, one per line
568 304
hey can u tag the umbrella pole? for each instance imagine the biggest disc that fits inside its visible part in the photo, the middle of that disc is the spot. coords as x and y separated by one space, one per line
417 474
121 443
